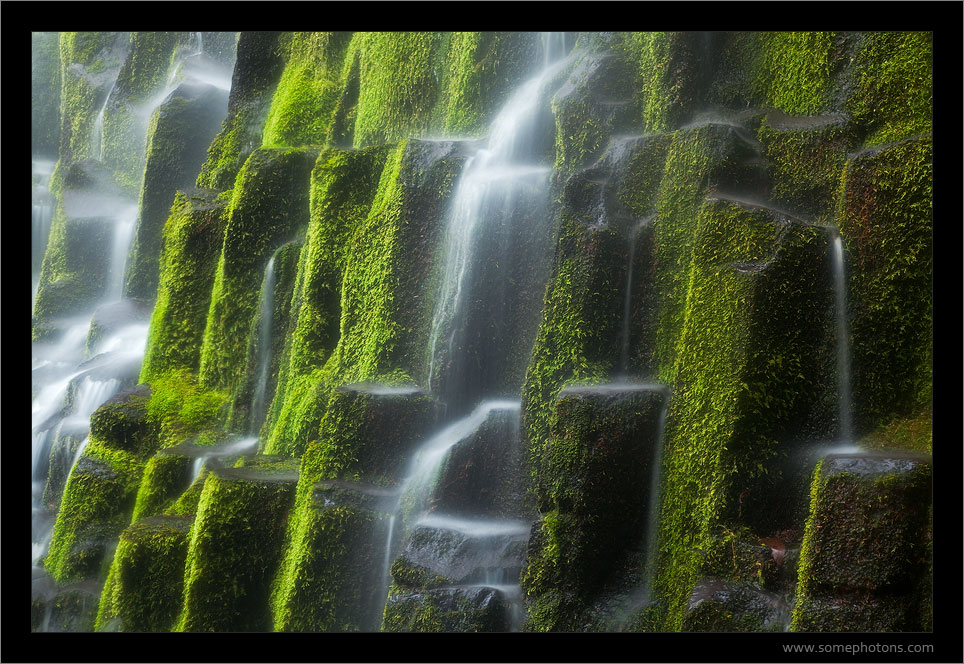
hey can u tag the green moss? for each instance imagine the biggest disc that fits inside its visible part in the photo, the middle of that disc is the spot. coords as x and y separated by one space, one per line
864 552
399 85
751 377
191 245
805 162
143 590
179 407
235 548
308 91
177 138
381 335
269 207
45 93
165 478
885 219
96 507
259 65
793 71
892 95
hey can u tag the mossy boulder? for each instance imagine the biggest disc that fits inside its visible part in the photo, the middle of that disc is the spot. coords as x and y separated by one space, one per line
594 495
193 236
65 608
340 581
864 553
462 609
269 207
235 547
143 591
177 138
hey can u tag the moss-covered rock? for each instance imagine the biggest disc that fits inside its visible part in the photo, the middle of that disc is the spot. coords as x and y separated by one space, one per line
269 207
715 606
257 69
753 379
44 93
468 609
367 434
177 138
269 335
864 552
235 547
593 491
339 582
886 224
144 586
193 236
100 492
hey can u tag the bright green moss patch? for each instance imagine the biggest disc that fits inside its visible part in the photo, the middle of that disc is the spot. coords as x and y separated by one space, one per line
269 208
179 407
892 96
191 245
794 70
308 91
143 590
235 548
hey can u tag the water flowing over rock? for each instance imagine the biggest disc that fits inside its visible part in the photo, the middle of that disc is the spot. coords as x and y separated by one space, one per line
483 332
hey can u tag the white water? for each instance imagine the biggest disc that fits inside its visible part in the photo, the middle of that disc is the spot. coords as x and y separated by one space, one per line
124 223
264 348
246 445
416 489
628 299
58 364
97 131
486 194
845 434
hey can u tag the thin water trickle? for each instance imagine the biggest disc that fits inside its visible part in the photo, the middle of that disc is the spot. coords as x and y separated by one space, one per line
97 131
263 349
628 298
843 341
124 224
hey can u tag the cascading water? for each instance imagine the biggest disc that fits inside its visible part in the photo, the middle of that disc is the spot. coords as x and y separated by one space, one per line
497 243
264 348
69 379
845 434
628 298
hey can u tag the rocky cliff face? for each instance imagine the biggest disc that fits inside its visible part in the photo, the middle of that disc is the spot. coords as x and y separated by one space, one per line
681 358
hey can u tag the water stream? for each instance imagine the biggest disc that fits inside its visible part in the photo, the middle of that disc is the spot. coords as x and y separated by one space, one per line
263 348
70 381
845 434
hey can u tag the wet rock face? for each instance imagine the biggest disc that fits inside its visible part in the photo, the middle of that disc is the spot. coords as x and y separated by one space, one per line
864 552
483 474
594 495
465 552
471 609
715 606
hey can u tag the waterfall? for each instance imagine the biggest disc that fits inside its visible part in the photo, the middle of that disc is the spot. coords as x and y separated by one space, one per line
495 244
845 434
486 232
66 386
97 132
263 348
628 298
124 223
